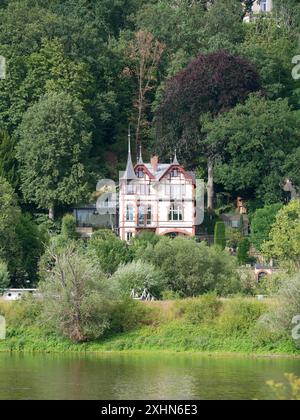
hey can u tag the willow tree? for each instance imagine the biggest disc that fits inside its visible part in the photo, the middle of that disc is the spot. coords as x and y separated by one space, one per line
55 140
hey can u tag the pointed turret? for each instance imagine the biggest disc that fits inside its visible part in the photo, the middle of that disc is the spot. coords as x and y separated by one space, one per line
140 158
129 172
175 161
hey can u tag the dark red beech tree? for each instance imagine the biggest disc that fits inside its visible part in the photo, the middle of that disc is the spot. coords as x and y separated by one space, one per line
210 85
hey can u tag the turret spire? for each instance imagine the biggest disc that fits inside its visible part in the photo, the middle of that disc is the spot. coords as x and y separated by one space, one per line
140 159
175 161
129 172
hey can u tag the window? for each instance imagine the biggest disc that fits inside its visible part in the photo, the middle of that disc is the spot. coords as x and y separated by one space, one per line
130 213
264 5
141 215
129 236
176 213
149 215
145 215
130 188
175 192
175 173
140 173
144 189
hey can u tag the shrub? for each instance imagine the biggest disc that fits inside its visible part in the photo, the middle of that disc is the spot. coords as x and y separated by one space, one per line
68 227
110 250
127 315
192 269
31 239
4 276
280 318
284 239
203 309
243 252
22 313
261 224
248 281
143 244
270 285
233 237
170 295
240 315
139 275
220 235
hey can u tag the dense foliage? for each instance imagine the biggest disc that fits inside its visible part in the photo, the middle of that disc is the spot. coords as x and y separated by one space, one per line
180 72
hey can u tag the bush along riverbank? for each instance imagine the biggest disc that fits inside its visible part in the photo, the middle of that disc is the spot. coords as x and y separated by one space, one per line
205 324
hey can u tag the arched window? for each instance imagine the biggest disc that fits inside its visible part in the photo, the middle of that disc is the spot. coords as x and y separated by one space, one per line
176 213
130 213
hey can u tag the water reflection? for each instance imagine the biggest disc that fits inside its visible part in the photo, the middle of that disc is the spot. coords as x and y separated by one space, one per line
143 376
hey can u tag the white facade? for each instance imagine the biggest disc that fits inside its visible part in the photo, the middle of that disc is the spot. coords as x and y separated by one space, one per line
17 294
262 6
157 198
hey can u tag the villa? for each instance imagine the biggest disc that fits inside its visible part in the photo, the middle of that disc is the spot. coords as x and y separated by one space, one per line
156 197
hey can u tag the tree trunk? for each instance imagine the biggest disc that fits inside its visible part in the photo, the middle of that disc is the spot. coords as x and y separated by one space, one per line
52 213
210 186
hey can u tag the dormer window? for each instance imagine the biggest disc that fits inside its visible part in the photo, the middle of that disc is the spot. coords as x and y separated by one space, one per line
140 173
175 173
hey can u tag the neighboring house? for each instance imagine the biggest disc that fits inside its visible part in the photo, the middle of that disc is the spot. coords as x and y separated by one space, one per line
156 197
88 219
260 6
262 271
17 294
291 191
234 220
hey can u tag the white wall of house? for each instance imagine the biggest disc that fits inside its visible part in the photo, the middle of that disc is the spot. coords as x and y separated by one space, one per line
170 198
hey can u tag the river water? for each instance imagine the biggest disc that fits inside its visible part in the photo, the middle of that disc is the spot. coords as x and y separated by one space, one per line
138 376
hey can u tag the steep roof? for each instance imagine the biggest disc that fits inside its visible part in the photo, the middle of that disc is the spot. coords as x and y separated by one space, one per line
129 173
161 169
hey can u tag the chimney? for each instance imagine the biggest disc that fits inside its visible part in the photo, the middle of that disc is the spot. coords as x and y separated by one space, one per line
154 163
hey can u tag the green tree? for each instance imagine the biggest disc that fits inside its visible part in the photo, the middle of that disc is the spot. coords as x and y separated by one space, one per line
8 161
9 217
261 224
243 252
270 47
75 297
68 227
55 140
110 250
4 276
220 235
193 268
138 276
31 242
253 141
284 242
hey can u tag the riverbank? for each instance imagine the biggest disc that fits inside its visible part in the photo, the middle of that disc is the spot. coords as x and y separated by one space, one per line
194 326
149 340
